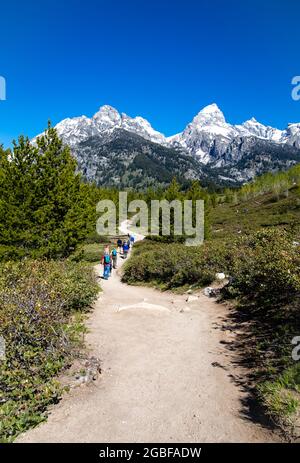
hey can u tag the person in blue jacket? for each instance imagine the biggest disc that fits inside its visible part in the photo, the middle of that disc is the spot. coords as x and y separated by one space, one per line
125 249
107 263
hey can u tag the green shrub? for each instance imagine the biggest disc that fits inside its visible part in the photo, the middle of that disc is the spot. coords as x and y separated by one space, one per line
265 268
11 253
266 280
174 265
88 253
93 237
37 299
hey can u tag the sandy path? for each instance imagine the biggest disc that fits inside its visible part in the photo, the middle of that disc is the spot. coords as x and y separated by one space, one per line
158 383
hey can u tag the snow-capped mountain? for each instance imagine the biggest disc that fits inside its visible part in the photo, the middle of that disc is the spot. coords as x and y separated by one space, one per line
291 135
255 128
217 143
237 152
207 136
103 123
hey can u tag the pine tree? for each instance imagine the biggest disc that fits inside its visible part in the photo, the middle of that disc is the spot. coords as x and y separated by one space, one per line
17 181
43 203
173 191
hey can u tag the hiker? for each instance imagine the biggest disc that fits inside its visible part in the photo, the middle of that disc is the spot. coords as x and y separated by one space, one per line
119 244
106 262
125 249
131 240
128 242
114 257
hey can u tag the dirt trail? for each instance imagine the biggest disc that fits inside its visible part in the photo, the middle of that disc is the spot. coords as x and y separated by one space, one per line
160 382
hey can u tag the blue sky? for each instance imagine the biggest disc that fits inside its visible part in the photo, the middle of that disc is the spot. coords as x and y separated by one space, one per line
161 59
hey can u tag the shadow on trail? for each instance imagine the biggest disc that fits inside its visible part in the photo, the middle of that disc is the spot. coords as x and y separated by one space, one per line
242 352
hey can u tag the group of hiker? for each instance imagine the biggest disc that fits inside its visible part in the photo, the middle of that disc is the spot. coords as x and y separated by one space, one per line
110 257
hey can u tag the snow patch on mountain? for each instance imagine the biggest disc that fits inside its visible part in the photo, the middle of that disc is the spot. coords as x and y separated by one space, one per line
292 135
142 127
253 127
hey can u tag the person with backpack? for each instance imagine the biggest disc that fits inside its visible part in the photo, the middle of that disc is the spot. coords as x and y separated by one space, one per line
131 240
119 244
106 262
125 249
114 256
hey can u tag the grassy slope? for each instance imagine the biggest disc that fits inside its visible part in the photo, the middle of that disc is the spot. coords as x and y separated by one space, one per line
263 211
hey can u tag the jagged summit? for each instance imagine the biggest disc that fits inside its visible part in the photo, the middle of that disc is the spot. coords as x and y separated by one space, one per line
211 108
210 115
208 138
209 123
104 122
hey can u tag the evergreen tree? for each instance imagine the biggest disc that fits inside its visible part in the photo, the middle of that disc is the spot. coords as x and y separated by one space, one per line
43 203
173 191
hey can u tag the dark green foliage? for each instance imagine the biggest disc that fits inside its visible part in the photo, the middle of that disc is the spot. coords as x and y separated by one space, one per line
44 208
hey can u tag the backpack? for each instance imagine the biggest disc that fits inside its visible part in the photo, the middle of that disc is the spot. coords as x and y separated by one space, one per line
114 252
106 259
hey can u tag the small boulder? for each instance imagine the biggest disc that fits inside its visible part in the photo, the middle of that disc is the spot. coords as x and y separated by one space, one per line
192 298
220 276
91 372
207 291
211 292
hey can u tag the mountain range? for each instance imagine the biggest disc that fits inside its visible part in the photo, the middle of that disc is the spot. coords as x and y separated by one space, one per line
114 149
